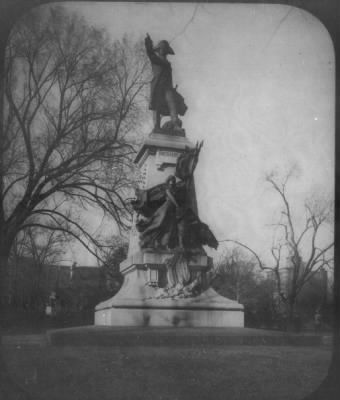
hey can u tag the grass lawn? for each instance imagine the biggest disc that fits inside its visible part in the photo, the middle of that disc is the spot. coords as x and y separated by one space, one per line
168 373
28 322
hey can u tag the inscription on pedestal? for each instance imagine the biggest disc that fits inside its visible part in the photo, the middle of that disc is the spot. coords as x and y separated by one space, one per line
165 158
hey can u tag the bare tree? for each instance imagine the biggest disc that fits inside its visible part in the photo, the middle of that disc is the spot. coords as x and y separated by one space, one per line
296 249
42 248
72 100
237 277
112 255
233 274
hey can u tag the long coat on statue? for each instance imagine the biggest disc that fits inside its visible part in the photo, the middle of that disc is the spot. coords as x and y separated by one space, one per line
161 83
158 228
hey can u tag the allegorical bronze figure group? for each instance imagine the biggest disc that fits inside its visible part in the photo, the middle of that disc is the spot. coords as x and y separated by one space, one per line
167 219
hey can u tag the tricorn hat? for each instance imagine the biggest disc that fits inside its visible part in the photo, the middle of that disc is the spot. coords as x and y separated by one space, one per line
165 44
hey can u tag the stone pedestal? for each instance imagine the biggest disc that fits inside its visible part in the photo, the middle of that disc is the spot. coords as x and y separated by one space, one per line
138 302
141 300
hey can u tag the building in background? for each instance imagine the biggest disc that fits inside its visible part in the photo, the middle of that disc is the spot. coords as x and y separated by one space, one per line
75 287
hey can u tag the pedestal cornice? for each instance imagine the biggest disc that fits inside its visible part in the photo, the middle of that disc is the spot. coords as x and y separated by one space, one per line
162 141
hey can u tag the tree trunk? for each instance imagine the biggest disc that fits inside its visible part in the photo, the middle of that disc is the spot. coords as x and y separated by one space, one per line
293 316
4 268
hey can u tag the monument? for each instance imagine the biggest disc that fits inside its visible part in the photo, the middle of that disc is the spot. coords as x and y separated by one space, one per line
165 273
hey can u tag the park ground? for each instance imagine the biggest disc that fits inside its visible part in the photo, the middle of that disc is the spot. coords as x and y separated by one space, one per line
167 372
162 372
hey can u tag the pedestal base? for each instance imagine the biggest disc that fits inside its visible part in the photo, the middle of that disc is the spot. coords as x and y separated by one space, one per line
174 317
209 309
138 304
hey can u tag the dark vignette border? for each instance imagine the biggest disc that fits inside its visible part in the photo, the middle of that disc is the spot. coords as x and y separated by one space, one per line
328 12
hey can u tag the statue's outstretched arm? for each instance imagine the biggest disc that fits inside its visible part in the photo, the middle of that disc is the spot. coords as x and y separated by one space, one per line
149 45
151 52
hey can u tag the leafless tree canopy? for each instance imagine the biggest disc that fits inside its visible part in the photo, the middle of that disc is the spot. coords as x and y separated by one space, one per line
41 246
237 273
112 255
72 100
296 247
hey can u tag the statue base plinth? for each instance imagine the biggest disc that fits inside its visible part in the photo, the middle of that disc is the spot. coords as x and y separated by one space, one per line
137 304
169 131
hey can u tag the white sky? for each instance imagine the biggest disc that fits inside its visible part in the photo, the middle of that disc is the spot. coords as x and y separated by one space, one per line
259 84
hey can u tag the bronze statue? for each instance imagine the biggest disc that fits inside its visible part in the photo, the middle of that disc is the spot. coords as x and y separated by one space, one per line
158 210
164 98
166 220
187 162
167 216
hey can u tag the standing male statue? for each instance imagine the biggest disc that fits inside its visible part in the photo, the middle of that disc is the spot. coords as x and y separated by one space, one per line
164 99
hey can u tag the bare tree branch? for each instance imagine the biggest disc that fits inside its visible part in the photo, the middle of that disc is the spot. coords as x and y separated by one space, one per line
259 261
73 101
304 258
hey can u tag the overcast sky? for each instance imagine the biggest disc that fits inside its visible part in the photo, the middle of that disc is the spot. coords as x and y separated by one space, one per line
259 84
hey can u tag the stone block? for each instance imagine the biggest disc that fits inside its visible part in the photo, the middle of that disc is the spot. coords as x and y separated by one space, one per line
136 305
169 317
